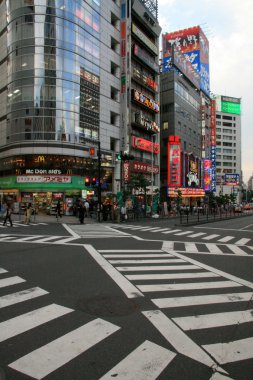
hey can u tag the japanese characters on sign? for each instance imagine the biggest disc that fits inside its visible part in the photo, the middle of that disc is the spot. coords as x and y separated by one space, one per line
174 162
143 167
43 179
126 171
213 145
145 101
186 192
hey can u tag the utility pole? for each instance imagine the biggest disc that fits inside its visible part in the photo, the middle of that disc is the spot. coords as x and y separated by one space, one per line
99 182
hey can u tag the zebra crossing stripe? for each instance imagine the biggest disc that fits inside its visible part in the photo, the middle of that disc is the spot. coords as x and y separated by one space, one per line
46 359
47 239
27 238
170 276
161 229
213 248
163 303
154 261
237 250
231 351
158 267
28 321
210 237
184 233
188 286
197 234
179 340
226 238
10 281
171 232
24 295
242 241
137 365
137 255
129 250
206 321
190 247
3 271
219 376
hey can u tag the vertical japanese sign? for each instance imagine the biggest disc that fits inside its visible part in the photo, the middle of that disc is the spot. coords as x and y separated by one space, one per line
213 145
174 162
123 76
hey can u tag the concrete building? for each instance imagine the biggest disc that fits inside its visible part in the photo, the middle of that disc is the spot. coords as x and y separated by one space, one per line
68 72
228 146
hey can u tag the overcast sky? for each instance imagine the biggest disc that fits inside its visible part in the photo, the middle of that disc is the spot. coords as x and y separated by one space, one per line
228 25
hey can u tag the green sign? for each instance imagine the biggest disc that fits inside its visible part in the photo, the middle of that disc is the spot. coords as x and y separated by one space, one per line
230 107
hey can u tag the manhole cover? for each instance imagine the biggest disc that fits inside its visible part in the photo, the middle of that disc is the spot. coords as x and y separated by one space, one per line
108 306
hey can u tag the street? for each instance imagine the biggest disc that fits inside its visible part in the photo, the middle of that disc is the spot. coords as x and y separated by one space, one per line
128 301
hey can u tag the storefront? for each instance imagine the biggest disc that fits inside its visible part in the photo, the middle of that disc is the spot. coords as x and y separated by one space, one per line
44 191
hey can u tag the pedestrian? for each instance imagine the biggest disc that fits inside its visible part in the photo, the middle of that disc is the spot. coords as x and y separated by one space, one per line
81 212
8 216
87 207
28 213
58 209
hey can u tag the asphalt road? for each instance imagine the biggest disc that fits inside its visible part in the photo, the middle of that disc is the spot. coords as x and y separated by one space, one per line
101 302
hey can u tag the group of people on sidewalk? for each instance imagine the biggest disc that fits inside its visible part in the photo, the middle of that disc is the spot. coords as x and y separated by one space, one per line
8 212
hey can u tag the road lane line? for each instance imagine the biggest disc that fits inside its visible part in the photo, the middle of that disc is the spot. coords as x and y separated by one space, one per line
129 250
232 351
24 295
136 255
126 286
179 340
46 359
163 303
207 321
30 320
146 362
10 281
188 286
72 233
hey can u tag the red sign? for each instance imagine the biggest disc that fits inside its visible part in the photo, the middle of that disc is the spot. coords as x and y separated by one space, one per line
126 171
187 192
186 40
147 145
174 162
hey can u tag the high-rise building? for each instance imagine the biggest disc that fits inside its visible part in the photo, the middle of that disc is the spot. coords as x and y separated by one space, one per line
78 84
228 145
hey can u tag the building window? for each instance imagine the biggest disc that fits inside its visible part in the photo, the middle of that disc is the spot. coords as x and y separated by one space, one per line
165 125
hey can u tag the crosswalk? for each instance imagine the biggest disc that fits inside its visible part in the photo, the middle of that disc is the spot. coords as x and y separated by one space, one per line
185 293
16 224
47 358
188 233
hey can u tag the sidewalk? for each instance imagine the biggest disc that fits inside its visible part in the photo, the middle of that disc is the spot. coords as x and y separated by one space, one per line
43 218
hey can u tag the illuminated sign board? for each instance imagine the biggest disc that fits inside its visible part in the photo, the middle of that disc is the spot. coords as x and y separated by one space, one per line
146 145
174 161
186 192
145 101
43 179
207 175
143 167
232 179
229 107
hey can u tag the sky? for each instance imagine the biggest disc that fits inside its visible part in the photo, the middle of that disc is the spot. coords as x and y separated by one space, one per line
228 25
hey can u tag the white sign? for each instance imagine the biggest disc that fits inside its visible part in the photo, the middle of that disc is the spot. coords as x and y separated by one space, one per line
43 179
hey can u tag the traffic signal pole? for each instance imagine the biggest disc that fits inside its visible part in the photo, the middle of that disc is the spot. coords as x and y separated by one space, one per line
99 182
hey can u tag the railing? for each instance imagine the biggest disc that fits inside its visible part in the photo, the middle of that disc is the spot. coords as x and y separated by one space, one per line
203 216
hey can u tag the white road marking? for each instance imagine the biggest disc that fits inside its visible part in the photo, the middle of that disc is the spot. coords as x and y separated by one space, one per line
136 255
242 241
236 250
184 233
171 232
170 276
154 261
30 238
213 248
169 245
69 229
24 295
129 250
48 238
161 229
30 320
65 240
129 289
10 281
219 376
163 303
231 351
187 286
226 238
3 271
206 321
190 247
146 362
197 234
158 267
178 339
210 237
46 359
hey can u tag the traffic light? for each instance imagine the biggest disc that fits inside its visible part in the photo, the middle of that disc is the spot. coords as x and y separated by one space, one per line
94 181
118 156
124 156
87 181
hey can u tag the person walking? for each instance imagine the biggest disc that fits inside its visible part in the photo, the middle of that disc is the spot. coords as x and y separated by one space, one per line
28 213
58 209
81 212
8 216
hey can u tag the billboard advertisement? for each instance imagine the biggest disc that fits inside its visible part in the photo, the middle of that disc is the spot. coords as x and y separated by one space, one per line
232 179
174 162
231 105
207 175
193 43
184 65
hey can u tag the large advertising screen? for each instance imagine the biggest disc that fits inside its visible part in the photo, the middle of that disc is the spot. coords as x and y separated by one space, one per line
232 179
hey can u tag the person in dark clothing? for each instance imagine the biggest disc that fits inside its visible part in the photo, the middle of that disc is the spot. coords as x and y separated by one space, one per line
58 209
8 216
81 212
